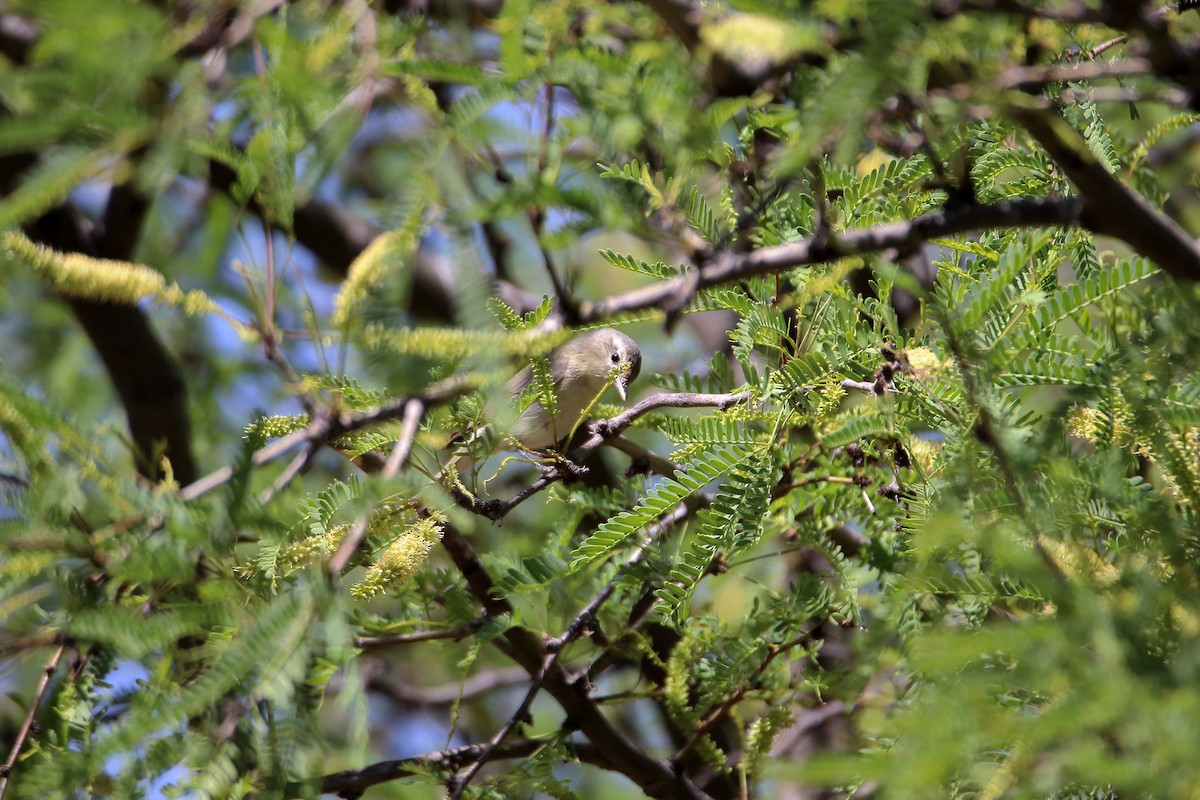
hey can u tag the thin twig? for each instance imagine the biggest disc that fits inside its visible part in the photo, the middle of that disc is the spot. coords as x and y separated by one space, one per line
525 647
605 429
862 386
16 480
39 641
583 621
447 694
354 781
395 639
601 432
710 720
1038 76
263 456
518 716
47 673
413 410
299 463
322 431
644 456
1113 42
408 434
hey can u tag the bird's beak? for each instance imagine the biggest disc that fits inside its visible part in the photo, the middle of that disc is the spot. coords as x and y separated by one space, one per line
629 374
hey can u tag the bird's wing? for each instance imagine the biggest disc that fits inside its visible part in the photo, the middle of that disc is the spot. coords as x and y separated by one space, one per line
519 382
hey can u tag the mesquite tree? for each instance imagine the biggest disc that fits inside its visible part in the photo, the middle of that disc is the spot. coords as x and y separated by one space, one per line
901 505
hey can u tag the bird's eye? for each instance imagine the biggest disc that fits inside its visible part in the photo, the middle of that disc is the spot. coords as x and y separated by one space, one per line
615 358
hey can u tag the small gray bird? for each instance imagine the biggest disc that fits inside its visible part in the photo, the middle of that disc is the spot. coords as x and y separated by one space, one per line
582 369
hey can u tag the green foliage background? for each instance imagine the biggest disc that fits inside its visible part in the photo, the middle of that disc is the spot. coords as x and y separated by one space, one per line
937 536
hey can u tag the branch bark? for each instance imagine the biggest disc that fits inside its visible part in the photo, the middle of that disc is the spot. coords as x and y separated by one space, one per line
1110 207
902 237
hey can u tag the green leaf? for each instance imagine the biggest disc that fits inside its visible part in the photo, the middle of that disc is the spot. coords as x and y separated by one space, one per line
662 498
656 270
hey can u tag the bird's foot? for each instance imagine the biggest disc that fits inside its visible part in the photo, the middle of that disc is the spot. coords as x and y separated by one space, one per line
562 468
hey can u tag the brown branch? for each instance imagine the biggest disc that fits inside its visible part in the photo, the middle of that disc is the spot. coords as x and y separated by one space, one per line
263 456
494 745
480 583
352 782
1110 207
296 467
599 433
706 725
1038 76
642 457
324 429
447 694
584 620
396 639
605 429
525 647
148 382
902 237
23 734
146 377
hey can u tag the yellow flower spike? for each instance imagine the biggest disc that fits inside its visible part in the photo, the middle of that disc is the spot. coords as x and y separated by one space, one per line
401 559
107 280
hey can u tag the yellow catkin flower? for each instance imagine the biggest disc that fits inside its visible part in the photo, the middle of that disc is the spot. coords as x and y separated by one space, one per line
1079 561
762 733
77 275
301 553
924 452
401 559
924 360
24 565
1084 422
22 434
748 36
168 484
297 555
831 395
453 343
365 273
276 426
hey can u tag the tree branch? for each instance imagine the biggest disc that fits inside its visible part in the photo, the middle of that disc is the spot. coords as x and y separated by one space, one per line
1110 207
903 237
396 639
352 782
22 735
599 433
447 694
525 647
324 429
